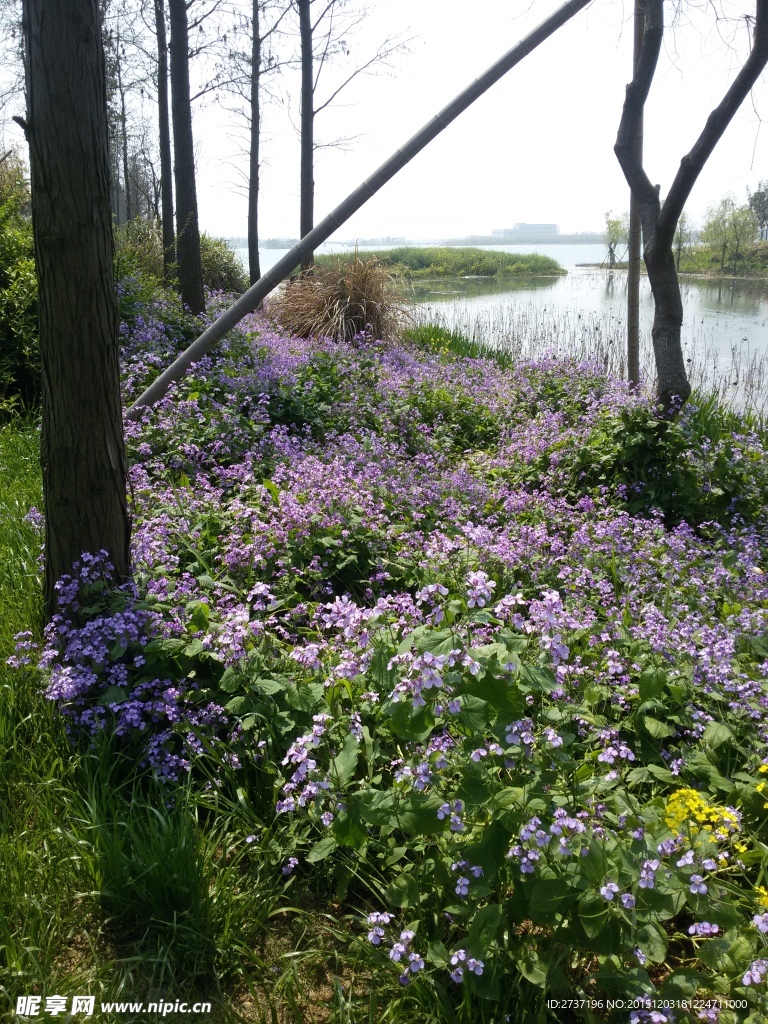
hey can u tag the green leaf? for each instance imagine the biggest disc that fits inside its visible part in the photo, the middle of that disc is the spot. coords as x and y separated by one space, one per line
231 680
485 925
438 954
417 815
659 730
193 648
322 849
349 830
593 914
344 764
410 724
376 806
549 896
717 733
653 941
652 682
475 714
404 892
271 488
266 687
681 985
542 680
113 695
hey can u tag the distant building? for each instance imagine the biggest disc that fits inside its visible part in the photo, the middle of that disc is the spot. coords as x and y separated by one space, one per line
521 230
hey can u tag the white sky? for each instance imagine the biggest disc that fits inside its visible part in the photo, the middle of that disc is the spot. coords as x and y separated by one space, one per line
537 147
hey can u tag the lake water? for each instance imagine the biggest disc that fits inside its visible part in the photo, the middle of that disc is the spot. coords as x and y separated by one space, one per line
725 327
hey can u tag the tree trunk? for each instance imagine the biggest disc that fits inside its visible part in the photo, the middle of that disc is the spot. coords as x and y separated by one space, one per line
187 228
635 239
254 270
673 385
124 137
83 455
307 200
166 171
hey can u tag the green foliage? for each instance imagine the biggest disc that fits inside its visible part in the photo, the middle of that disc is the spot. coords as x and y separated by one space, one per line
222 270
19 353
729 231
411 262
139 250
442 341
702 466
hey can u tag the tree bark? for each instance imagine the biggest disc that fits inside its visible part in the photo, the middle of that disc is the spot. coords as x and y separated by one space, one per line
635 228
83 454
307 188
166 171
254 270
187 228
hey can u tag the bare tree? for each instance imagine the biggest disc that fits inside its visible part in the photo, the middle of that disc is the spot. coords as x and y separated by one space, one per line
187 227
325 27
164 138
659 220
83 456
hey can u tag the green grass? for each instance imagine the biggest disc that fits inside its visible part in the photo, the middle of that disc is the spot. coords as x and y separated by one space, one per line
104 888
410 262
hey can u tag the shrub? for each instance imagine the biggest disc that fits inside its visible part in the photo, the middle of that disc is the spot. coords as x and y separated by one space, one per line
342 300
139 250
19 356
222 270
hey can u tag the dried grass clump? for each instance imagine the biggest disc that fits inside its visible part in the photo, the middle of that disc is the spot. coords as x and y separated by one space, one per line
344 301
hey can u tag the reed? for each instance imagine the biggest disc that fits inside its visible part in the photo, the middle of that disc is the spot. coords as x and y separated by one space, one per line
738 378
342 300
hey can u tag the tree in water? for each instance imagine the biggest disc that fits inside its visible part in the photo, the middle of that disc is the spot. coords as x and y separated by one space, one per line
83 454
616 234
659 220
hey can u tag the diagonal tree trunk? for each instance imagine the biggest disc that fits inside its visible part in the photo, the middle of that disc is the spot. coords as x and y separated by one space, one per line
187 228
83 456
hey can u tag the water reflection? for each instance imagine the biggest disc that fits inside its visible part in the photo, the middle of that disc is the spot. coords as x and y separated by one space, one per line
457 289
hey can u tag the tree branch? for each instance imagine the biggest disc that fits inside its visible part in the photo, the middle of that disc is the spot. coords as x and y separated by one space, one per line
387 48
625 148
692 164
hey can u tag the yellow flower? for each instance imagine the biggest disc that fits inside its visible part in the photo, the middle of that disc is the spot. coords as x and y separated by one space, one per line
762 898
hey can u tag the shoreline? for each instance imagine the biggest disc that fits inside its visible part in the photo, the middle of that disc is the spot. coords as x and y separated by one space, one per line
681 273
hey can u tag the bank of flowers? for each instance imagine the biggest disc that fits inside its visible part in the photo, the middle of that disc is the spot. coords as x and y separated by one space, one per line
494 642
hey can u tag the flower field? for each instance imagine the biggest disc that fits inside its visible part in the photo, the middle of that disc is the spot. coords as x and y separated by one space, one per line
464 663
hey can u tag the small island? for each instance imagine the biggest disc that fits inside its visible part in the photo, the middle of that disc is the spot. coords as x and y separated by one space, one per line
409 262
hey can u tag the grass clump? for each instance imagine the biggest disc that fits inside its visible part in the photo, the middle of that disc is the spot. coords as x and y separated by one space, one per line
411 262
342 300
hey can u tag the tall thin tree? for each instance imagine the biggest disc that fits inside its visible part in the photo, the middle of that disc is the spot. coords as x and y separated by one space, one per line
307 165
187 227
254 268
83 455
164 138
